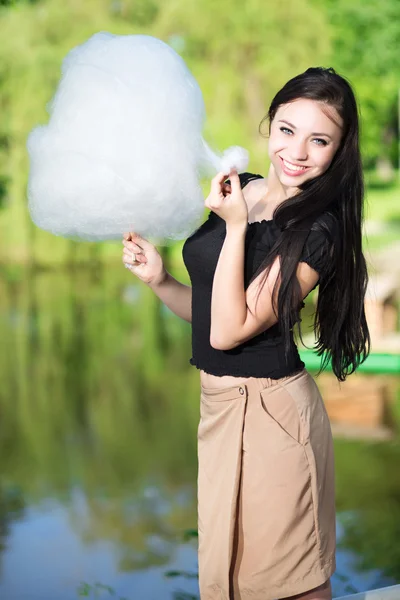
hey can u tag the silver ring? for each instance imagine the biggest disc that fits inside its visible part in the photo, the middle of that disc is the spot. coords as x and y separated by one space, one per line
133 257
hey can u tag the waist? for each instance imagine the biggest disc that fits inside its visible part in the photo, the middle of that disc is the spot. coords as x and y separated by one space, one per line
208 380
226 383
261 356
220 368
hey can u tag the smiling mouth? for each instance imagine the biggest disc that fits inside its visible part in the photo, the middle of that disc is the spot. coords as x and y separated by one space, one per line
293 168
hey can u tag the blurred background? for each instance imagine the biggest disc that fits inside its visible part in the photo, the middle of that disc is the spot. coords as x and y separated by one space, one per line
98 403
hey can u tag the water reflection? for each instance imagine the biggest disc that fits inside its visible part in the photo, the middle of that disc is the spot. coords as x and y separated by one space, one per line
99 414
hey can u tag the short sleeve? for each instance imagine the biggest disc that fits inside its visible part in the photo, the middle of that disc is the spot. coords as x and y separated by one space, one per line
245 178
319 247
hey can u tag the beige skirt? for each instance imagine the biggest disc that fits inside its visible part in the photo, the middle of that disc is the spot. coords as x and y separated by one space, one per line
266 498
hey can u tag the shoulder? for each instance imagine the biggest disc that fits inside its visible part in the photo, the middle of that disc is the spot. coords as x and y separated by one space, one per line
324 230
320 243
245 178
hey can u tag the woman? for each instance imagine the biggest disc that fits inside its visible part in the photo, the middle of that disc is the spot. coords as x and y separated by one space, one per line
266 476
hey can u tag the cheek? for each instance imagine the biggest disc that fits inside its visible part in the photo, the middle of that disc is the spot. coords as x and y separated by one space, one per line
274 146
323 160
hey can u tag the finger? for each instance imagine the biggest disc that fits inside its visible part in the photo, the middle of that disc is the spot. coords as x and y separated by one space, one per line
131 236
218 179
216 183
140 241
127 256
221 176
132 246
135 269
234 179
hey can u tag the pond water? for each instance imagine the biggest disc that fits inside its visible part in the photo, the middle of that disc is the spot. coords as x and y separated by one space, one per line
99 412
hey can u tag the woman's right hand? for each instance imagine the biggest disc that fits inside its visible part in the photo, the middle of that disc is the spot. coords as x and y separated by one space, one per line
148 266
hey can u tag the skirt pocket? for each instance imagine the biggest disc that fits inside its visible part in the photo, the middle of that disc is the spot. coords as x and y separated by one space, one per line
282 409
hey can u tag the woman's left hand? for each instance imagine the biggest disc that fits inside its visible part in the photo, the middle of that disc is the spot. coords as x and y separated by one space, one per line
227 201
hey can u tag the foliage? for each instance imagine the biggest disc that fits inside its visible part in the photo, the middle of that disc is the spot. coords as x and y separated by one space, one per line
382 203
239 52
365 42
230 47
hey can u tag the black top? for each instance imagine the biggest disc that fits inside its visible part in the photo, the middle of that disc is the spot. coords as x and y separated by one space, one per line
262 355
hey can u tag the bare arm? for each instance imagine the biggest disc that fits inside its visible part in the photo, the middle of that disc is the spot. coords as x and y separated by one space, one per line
235 315
175 295
143 260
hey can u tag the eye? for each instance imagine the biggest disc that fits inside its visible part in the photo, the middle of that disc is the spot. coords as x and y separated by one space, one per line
320 142
286 130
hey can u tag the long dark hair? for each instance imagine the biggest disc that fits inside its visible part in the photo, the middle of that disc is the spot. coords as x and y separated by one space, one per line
335 197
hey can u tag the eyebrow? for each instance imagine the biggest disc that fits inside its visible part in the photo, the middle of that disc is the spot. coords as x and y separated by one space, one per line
294 127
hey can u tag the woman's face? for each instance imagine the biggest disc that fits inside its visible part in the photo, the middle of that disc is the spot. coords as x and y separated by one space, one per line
304 138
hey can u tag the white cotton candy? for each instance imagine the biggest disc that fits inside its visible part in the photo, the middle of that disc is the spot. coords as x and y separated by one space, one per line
123 149
233 158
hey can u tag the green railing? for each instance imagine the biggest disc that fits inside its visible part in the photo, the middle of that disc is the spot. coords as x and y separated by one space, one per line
381 364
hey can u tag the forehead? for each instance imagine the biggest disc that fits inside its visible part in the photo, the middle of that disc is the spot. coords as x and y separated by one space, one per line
310 116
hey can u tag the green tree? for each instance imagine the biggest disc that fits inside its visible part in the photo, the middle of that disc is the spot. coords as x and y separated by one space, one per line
365 43
240 54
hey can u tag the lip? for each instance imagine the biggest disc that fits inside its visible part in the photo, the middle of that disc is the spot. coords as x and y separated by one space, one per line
293 173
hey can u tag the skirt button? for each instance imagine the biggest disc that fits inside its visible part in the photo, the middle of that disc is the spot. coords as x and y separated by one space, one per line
241 391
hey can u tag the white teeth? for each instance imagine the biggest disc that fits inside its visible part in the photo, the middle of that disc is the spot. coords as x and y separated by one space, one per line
291 167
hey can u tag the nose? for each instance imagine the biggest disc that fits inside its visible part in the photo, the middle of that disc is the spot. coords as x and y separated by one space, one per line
298 149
